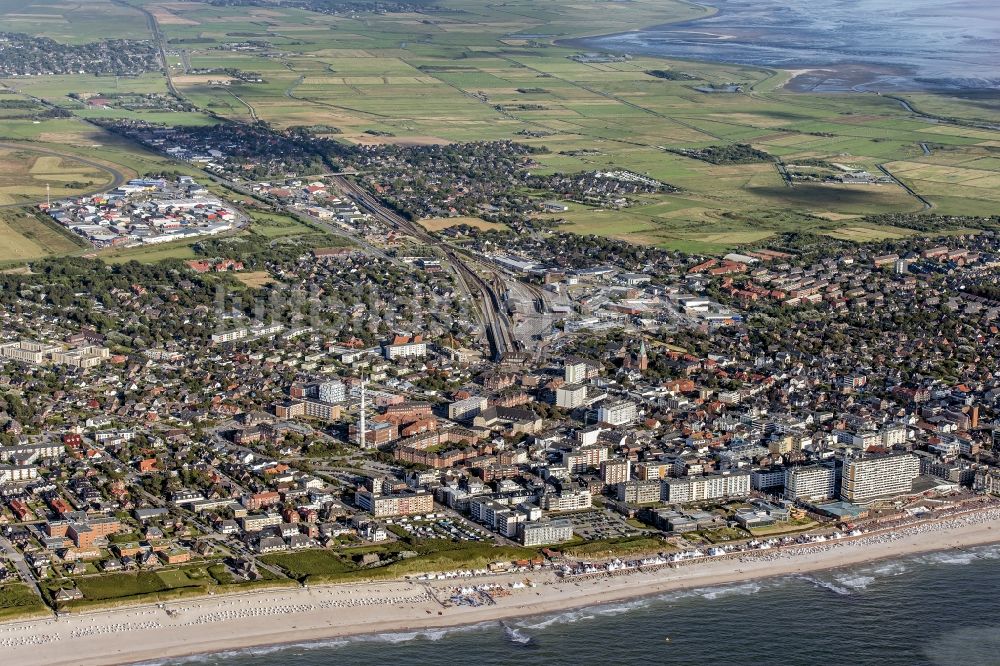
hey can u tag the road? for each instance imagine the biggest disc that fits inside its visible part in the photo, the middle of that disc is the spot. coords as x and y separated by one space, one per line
927 204
161 42
22 567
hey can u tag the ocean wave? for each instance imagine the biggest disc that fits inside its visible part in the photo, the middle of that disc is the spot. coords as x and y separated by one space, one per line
568 617
433 634
890 569
827 585
242 653
744 589
607 610
854 581
516 635
949 557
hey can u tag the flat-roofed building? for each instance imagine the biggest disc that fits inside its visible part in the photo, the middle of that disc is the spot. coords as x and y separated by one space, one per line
811 482
640 492
582 458
713 486
614 472
464 410
873 477
545 532
571 396
618 413
406 503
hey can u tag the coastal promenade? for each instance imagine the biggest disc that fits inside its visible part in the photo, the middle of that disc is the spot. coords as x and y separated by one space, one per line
214 624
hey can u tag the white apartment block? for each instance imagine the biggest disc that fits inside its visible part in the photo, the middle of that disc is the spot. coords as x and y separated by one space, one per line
86 357
469 408
762 479
11 473
405 350
700 488
572 500
545 532
38 353
619 413
570 396
811 482
334 391
575 372
867 479
229 336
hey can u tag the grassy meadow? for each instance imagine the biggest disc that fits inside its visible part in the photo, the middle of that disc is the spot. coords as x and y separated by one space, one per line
464 70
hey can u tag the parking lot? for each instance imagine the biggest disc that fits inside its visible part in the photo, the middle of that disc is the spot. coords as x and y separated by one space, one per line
592 525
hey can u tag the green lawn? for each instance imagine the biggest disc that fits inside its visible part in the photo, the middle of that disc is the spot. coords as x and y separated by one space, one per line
611 547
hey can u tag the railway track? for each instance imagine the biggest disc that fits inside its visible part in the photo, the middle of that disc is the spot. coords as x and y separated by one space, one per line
498 328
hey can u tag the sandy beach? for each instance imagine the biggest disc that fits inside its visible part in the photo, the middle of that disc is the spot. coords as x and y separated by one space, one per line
215 624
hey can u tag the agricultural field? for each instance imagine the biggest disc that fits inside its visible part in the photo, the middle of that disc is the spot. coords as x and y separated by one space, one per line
469 71
27 176
25 237
255 279
276 225
150 254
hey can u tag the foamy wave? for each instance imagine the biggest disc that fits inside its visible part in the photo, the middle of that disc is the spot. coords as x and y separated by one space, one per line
827 585
744 589
949 557
890 569
962 556
333 643
569 617
854 581
594 612
246 652
515 635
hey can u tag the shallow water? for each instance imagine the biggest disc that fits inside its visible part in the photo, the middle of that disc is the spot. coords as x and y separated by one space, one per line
932 609
899 44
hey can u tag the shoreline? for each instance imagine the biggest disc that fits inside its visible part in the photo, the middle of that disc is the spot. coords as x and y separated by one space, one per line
269 619
843 77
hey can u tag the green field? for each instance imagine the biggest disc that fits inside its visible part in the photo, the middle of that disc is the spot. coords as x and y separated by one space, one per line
476 71
148 586
615 547
17 600
24 237
316 566
276 225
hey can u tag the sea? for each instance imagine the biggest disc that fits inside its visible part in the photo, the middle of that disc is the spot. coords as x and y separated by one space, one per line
885 44
938 609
